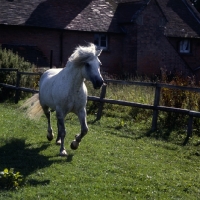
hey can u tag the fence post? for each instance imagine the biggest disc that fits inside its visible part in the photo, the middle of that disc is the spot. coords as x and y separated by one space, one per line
102 96
155 111
189 128
17 92
51 59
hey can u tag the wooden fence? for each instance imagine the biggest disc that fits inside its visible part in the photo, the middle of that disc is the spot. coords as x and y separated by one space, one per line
17 87
155 107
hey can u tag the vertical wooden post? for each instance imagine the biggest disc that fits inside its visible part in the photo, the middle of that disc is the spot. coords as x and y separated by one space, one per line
189 128
61 49
102 96
155 111
51 59
17 92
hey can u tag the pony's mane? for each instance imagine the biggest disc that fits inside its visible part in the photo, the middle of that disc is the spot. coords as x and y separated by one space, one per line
82 54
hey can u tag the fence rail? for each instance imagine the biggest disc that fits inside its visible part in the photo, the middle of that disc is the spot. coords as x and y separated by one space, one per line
102 100
17 87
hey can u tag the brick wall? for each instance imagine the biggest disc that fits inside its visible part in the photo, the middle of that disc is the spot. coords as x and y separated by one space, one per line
42 38
129 52
154 51
110 59
50 39
193 58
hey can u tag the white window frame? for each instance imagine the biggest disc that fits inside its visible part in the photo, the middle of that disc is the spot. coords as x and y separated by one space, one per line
184 46
101 40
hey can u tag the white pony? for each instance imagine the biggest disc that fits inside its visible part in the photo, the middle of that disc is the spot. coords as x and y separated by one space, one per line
64 91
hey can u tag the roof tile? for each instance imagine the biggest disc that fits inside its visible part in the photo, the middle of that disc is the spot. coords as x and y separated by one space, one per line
180 19
62 14
98 15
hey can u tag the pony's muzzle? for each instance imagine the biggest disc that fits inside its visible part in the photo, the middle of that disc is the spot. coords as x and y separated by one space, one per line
98 83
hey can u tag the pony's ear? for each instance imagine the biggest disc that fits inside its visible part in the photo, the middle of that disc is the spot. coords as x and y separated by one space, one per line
98 52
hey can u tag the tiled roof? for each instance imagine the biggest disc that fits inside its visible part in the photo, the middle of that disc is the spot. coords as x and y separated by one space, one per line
127 1
84 15
97 15
182 19
128 12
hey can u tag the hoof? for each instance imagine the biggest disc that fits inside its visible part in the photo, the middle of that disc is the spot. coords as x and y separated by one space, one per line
58 142
50 136
74 145
63 152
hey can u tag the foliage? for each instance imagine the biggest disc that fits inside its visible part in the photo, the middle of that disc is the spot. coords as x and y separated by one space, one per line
10 180
12 61
179 99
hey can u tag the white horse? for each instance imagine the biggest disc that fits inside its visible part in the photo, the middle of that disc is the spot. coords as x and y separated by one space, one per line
64 91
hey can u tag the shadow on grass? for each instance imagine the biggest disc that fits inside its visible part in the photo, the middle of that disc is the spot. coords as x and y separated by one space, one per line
69 157
167 134
26 159
161 134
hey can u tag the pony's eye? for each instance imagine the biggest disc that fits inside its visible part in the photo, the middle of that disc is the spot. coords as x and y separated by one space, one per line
87 64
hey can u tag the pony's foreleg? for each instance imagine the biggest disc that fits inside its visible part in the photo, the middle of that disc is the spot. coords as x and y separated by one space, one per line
50 134
61 133
84 129
58 140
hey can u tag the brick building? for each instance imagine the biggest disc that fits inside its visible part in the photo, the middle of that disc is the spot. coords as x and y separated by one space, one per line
137 36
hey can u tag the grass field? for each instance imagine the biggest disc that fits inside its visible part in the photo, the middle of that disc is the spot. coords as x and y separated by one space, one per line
118 159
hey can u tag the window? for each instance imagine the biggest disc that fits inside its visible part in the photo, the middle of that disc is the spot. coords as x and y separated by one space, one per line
100 40
184 46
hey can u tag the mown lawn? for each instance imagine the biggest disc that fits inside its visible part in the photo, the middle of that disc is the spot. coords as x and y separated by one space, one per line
118 159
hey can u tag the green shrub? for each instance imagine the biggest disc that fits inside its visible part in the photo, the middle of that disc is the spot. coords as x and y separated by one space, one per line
13 61
10 60
10 180
178 98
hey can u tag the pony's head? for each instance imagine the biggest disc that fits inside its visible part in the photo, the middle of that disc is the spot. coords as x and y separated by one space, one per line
86 58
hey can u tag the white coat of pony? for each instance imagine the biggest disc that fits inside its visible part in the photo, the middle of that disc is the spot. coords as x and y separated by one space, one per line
64 91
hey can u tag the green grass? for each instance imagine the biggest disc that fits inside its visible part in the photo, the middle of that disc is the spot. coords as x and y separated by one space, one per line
118 159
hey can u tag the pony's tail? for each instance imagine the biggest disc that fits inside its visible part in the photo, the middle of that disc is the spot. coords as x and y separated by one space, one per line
33 108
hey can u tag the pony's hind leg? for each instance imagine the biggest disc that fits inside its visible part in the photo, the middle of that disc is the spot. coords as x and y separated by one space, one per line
84 129
47 112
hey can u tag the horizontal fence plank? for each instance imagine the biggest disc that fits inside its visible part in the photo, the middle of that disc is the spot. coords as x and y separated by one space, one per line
194 89
28 90
22 73
130 82
8 69
146 106
194 113
8 86
93 98
30 73
19 88
173 109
